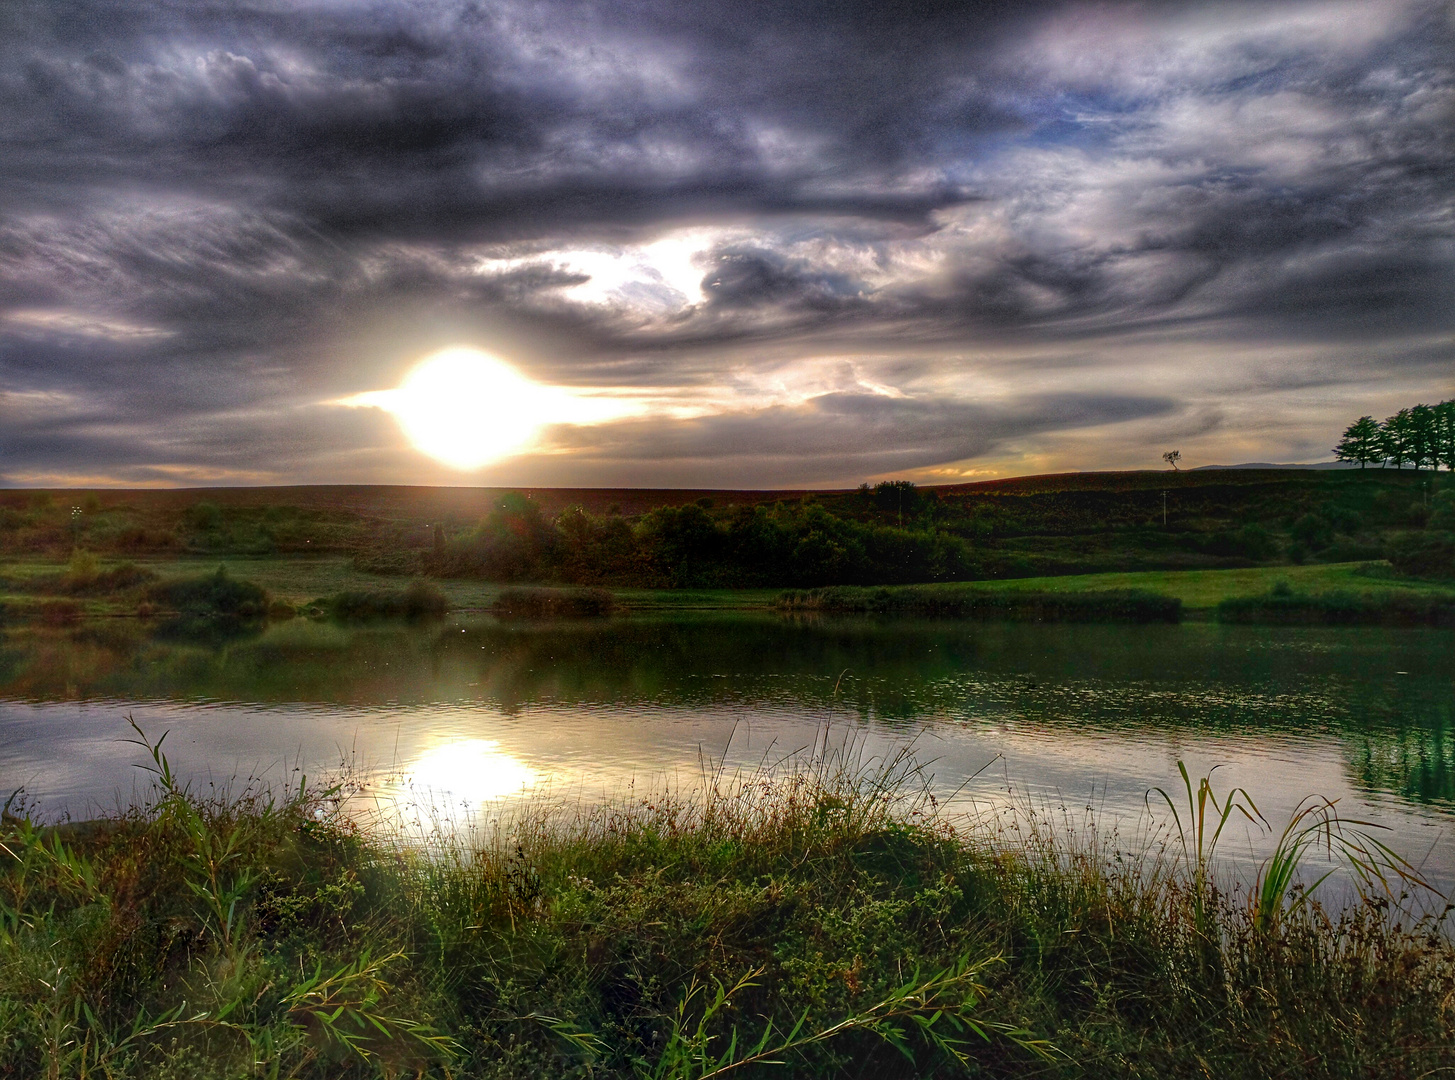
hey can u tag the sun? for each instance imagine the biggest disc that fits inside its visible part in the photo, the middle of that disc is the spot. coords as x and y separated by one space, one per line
467 408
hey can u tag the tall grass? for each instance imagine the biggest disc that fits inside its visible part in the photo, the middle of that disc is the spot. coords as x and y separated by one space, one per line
816 919
1284 606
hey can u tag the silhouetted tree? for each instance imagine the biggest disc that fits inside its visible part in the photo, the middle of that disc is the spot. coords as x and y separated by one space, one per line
1394 438
1445 434
1360 442
897 497
1172 457
1424 437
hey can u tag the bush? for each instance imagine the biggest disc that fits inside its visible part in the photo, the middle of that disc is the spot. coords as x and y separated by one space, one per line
1442 511
1312 531
209 606
1422 554
1252 542
85 576
419 600
204 516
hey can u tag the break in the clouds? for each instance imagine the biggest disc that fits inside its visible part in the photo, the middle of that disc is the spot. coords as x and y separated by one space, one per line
806 243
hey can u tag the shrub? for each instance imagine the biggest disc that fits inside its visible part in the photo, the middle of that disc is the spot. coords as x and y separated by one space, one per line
1312 531
1442 511
204 516
1422 554
85 576
209 606
418 600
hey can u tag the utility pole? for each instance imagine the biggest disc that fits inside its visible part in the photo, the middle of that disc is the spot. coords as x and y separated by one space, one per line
1164 509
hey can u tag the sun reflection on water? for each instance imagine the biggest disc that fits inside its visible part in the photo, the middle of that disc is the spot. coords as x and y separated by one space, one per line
470 771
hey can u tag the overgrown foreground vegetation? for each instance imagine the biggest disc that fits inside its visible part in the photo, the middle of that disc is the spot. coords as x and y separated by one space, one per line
818 922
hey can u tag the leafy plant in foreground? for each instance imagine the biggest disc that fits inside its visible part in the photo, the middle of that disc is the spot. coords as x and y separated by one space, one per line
1315 824
939 1008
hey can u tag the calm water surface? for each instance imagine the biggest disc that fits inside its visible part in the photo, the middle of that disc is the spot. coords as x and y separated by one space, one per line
462 715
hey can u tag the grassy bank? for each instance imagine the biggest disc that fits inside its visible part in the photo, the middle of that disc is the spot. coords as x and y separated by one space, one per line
967 602
823 918
47 590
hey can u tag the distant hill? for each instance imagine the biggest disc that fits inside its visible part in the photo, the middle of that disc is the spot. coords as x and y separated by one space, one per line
1290 465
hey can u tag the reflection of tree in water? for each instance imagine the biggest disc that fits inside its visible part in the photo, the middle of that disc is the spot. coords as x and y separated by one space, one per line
1396 729
1415 760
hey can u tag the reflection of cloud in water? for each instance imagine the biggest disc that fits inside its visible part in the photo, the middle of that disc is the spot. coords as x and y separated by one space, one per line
470 771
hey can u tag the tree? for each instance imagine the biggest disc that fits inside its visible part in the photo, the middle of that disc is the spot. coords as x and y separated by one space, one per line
1424 437
1445 434
1360 442
1172 457
897 496
1394 438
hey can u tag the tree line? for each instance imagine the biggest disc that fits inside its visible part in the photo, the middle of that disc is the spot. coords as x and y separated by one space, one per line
1422 436
800 544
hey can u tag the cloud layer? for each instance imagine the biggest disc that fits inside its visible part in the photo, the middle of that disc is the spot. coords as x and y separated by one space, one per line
827 242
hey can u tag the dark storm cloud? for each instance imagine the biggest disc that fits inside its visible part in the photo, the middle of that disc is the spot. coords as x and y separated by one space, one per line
213 217
867 434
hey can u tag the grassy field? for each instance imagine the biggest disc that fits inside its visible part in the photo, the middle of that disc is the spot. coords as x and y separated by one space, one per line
1203 590
817 921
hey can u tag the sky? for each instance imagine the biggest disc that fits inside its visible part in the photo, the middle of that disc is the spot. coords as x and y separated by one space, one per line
799 243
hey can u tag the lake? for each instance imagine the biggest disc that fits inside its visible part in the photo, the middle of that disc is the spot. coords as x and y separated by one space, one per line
450 719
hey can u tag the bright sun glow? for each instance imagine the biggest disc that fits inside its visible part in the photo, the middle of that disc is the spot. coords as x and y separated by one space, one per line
466 408
471 770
